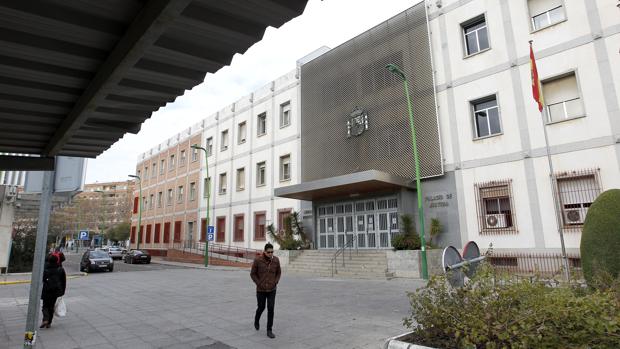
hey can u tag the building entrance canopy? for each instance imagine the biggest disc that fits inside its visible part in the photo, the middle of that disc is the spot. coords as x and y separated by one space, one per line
350 185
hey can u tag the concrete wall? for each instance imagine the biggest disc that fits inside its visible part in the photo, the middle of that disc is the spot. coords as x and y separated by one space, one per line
407 263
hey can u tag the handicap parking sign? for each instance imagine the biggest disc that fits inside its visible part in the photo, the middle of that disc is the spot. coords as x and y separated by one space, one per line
84 235
210 236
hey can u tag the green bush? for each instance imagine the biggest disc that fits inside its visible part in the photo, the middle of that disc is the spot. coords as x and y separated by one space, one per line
492 311
600 240
408 239
292 237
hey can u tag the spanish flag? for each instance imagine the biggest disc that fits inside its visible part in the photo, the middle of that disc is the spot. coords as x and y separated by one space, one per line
536 87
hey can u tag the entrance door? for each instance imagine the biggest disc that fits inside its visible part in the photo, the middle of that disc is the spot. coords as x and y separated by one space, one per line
190 233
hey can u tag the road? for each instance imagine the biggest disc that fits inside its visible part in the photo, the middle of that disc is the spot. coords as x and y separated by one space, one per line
72 265
160 306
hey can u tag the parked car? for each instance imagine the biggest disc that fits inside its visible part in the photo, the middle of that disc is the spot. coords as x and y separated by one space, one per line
96 260
115 252
137 256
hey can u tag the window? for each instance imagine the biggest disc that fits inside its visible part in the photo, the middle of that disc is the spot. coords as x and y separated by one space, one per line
154 170
207 187
172 162
138 173
190 231
241 133
144 203
157 232
285 114
166 232
177 231
194 153
261 168
240 179
562 98
203 230
162 166
259 225
220 231
223 183
285 168
149 228
192 191
545 13
209 146
182 159
238 229
151 203
496 214
146 172
282 215
159 199
224 140
169 199
577 190
261 124
486 117
180 193
475 35
133 235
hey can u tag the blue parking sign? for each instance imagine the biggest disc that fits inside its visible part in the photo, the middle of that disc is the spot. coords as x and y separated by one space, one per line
83 235
210 236
210 229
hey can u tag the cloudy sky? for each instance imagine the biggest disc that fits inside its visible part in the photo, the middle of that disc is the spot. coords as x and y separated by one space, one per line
323 23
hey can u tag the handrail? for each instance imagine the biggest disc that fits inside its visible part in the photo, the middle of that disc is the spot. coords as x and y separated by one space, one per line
342 251
198 247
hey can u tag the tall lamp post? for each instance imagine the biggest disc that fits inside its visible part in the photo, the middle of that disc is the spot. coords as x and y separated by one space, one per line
393 68
102 224
139 208
207 190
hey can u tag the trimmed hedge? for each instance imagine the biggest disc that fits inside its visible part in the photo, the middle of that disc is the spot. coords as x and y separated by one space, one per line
600 240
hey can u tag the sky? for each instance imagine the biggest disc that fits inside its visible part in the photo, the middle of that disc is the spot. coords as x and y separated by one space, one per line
323 23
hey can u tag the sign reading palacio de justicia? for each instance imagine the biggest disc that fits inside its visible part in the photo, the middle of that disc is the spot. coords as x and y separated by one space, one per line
438 200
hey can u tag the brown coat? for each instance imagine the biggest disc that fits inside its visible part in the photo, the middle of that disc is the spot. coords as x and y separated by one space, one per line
266 273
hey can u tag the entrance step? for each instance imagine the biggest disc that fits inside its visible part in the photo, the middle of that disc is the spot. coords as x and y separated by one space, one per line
361 264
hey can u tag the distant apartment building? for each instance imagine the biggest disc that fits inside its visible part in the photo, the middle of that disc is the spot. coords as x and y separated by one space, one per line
252 147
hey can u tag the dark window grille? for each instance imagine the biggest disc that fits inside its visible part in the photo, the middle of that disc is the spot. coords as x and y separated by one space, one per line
544 264
576 191
495 207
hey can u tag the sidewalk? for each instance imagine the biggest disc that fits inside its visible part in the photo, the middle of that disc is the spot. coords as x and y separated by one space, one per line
25 278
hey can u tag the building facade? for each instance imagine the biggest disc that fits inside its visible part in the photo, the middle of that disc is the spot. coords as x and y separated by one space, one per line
252 147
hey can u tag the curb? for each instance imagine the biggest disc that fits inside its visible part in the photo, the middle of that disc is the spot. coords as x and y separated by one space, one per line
397 343
16 282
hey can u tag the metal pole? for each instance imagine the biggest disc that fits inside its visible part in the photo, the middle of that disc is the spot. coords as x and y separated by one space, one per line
556 205
208 191
39 259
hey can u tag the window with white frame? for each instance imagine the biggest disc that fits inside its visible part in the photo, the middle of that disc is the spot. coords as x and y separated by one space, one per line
207 187
209 146
169 198
475 35
224 140
192 191
159 199
562 99
545 13
172 162
223 184
240 179
194 153
486 117
261 124
180 193
285 114
495 209
285 167
182 158
261 169
162 166
577 190
241 132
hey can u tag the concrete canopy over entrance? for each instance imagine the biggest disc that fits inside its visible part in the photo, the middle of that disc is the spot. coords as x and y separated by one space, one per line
76 76
350 185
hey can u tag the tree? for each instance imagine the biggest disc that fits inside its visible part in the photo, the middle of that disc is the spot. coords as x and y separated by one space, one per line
600 239
119 232
293 236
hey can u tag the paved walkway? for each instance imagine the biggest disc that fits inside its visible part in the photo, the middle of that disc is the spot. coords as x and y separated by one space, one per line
202 308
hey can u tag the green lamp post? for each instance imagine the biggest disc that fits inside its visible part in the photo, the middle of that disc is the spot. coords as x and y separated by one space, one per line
208 195
396 70
139 208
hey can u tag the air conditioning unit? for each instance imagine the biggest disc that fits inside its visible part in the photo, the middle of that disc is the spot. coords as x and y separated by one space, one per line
494 221
575 216
11 191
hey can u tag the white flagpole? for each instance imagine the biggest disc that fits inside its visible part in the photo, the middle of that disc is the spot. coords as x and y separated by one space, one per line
556 206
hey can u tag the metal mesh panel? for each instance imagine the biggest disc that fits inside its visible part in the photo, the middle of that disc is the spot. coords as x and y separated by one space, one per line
354 74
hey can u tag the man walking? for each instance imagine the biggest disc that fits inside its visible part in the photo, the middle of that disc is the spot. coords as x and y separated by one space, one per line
266 275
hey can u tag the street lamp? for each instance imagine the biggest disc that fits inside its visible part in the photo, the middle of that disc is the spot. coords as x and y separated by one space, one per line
103 213
393 68
207 189
139 207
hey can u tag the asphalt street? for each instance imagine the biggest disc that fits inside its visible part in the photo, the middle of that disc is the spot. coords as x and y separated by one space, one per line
162 306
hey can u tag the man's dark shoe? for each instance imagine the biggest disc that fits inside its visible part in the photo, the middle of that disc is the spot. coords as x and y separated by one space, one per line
270 334
257 326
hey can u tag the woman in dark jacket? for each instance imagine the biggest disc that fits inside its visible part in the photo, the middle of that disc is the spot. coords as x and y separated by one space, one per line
54 284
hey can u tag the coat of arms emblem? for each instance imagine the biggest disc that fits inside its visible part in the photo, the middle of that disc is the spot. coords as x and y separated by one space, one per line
357 122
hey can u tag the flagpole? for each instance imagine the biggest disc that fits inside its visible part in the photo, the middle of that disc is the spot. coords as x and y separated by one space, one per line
554 193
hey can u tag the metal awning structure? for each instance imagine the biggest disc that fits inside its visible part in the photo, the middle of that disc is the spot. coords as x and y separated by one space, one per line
350 185
75 76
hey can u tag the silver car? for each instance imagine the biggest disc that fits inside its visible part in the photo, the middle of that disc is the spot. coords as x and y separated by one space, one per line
115 252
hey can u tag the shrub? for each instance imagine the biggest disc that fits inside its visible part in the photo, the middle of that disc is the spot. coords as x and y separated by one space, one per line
292 237
493 311
408 239
436 229
600 240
